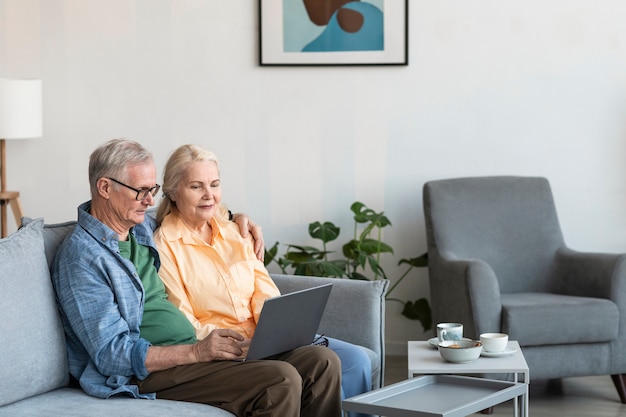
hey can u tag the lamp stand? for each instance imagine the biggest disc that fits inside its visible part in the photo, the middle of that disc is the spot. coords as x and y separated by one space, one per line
10 197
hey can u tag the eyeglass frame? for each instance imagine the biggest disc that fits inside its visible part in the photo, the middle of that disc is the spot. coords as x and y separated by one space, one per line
152 190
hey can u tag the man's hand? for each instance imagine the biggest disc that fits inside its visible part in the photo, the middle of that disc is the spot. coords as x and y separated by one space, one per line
221 344
246 225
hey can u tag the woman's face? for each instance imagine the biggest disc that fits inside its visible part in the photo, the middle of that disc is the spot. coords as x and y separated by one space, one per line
199 192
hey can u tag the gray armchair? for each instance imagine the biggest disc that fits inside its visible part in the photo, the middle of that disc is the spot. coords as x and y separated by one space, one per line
498 262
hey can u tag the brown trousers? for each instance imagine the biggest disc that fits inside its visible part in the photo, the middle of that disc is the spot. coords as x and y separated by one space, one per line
303 382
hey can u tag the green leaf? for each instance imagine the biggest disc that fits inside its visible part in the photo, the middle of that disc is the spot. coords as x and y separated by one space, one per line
297 253
357 208
383 221
299 257
379 220
418 262
350 249
305 249
283 263
374 246
333 269
361 258
363 214
375 266
357 276
270 254
418 310
326 232
301 269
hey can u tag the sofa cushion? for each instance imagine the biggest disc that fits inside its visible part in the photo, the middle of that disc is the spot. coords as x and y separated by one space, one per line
53 235
32 353
73 402
534 318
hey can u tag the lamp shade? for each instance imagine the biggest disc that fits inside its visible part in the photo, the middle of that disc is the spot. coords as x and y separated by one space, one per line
20 109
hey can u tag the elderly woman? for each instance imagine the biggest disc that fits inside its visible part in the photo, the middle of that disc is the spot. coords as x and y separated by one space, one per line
210 271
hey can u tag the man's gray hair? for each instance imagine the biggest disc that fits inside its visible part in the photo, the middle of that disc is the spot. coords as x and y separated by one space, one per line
112 159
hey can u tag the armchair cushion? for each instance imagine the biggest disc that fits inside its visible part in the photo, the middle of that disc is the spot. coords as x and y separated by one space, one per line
553 319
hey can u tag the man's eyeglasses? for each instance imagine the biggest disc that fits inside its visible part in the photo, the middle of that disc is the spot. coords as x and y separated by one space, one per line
142 193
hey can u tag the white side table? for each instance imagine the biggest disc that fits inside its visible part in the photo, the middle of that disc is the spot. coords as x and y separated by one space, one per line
424 359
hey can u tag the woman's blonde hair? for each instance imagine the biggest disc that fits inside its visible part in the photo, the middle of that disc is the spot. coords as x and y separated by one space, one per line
174 172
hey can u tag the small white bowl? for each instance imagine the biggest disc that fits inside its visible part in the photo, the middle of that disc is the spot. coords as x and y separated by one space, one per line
460 351
494 342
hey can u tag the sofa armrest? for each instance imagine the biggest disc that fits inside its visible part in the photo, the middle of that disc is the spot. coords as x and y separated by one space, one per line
355 311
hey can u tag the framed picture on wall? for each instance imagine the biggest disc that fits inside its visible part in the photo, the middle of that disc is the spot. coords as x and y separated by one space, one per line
333 32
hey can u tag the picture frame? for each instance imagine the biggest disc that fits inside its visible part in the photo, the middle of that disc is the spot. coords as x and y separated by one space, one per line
310 33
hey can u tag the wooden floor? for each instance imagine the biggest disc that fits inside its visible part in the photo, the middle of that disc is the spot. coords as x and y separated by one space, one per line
593 396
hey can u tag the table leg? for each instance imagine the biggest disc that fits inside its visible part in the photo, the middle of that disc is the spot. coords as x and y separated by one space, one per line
523 401
517 400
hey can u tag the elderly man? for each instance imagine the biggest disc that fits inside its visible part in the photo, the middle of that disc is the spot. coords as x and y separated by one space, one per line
125 337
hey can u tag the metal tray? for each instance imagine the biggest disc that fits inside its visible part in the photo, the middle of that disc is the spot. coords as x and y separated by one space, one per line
435 395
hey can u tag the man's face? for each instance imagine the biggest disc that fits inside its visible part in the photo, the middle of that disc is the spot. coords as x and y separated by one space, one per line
127 211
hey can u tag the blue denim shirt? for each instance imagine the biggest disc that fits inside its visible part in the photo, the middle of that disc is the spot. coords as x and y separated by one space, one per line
101 298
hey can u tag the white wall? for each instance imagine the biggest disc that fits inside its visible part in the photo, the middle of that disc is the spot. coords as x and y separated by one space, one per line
493 87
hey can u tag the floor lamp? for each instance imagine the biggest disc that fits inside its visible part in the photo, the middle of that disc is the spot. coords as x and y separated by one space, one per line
20 118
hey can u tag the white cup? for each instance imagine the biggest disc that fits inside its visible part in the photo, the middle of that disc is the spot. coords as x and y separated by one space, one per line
449 331
494 342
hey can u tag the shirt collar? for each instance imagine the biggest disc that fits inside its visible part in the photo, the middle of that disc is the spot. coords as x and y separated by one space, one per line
173 228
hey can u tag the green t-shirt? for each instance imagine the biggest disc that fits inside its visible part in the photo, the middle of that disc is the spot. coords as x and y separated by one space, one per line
163 324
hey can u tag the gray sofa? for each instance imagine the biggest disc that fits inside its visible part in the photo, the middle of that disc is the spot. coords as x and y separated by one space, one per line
33 362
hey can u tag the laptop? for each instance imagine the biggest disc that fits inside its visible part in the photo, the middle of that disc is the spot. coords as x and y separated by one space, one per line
288 321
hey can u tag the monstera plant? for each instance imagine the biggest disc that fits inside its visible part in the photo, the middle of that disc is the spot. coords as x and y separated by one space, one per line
360 258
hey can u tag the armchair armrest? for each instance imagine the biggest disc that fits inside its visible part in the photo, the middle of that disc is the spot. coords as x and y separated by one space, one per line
484 293
585 274
475 300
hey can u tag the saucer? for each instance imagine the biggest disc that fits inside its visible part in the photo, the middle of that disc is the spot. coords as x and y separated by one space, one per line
506 352
434 342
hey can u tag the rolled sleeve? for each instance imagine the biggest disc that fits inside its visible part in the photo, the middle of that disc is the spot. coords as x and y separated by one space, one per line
138 359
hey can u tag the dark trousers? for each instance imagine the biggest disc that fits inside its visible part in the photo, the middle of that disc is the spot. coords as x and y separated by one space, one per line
302 382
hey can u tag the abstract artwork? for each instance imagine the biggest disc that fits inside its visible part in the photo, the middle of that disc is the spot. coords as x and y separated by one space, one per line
333 32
